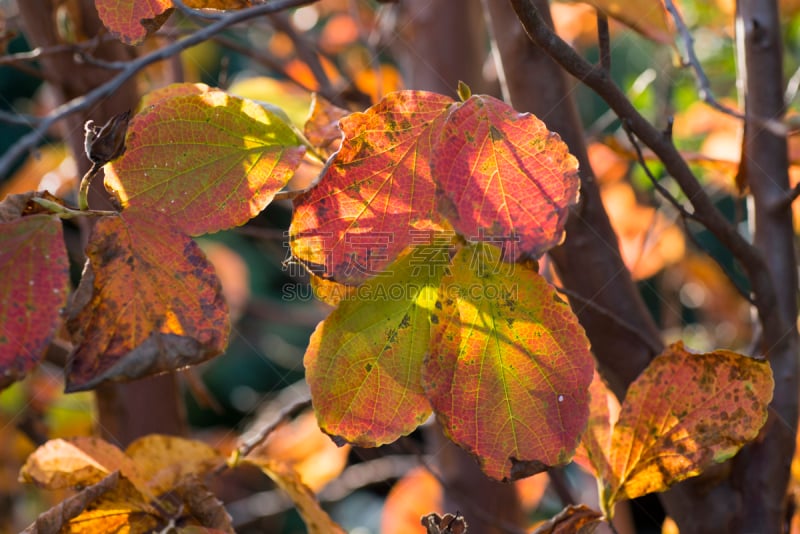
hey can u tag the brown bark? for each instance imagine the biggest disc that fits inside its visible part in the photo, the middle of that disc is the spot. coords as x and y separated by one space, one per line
761 471
153 405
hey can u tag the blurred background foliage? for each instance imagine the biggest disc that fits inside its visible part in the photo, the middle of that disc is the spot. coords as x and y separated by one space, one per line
687 291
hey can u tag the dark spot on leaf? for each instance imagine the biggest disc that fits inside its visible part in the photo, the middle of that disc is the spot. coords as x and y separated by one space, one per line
434 319
405 321
368 367
496 134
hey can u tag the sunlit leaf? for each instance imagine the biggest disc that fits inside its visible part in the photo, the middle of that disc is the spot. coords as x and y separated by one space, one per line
684 413
315 518
502 174
509 366
148 302
133 20
363 362
62 463
207 161
377 192
33 288
166 461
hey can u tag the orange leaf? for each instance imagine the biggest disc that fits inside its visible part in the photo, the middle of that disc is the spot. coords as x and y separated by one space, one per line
148 302
684 413
33 289
208 161
596 439
133 20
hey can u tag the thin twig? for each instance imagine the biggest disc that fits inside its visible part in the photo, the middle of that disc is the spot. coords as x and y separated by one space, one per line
589 303
131 68
289 412
497 58
683 212
704 84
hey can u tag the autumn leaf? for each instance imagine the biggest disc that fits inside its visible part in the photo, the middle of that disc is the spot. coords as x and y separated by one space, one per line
364 362
502 175
647 17
574 519
206 160
315 518
377 192
148 302
133 20
604 408
684 413
218 4
166 461
509 366
322 127
33 289
82 461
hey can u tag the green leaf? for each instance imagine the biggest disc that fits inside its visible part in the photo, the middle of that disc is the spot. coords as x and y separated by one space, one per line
509 366
33 288
377 192
364 362
684 413
148 302
206 160
502 175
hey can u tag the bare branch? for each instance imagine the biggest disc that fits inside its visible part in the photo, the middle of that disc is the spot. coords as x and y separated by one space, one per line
703 208
703 83
130 69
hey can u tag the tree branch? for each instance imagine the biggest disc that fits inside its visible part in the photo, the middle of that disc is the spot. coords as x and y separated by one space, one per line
130 69
704 209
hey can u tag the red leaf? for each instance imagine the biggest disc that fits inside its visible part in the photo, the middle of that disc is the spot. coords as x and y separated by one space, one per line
133 20
207 160
509 366
148 302
503 175
33 288
376 193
